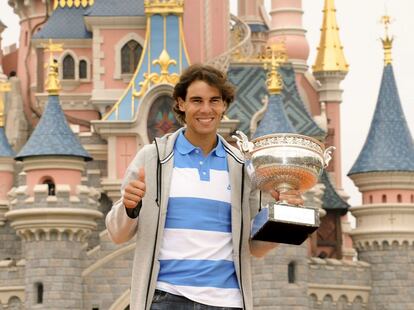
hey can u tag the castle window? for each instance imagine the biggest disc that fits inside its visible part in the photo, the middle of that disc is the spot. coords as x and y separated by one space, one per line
50 186
161 119
291 272
371 199
384 199
399 198
68 68
412 198
39 292
83 69
130 55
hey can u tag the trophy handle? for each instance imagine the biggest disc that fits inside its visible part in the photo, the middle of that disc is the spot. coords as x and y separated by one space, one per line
245 146
327 155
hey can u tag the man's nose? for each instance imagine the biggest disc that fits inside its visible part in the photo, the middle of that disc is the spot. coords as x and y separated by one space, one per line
206 105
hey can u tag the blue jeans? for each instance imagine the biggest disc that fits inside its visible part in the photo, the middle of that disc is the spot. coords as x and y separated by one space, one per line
166 301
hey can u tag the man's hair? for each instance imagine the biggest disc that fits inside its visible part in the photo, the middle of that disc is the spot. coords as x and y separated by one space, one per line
210 75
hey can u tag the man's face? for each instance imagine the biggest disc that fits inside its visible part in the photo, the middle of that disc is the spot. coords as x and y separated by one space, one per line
203 108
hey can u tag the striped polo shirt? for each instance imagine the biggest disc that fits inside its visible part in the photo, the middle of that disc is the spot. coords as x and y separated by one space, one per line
196 256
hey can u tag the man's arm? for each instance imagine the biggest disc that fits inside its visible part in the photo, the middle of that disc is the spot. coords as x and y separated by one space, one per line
261 248
122 219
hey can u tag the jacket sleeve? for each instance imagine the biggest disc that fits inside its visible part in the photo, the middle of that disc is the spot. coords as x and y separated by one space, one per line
121 227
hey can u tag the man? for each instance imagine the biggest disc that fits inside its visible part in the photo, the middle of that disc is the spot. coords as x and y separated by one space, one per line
188 200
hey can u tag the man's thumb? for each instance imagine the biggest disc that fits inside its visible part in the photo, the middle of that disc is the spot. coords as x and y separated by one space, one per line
141 174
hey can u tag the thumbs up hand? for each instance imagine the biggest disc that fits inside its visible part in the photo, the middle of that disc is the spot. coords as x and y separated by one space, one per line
135 190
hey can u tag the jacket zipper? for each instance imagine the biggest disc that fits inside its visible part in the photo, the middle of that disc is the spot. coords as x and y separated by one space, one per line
158 201
241 237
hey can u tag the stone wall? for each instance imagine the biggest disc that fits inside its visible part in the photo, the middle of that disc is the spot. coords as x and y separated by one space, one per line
338 284
392 275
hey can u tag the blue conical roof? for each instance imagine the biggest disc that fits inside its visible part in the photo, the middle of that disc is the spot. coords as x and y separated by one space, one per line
389 145
53 136
5 148
65 23
275 119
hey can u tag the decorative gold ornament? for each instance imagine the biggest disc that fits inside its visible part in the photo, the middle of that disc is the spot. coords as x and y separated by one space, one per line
387 41
272 58
164 7
5 87
164 61
52 81
72 3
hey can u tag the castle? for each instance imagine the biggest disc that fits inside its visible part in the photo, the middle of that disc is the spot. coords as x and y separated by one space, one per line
91 83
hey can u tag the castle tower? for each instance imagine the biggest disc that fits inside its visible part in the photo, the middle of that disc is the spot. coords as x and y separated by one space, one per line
254 14
330 69
288 264
51 211
384 173
6 158
2 27
206 28
286 26
32 14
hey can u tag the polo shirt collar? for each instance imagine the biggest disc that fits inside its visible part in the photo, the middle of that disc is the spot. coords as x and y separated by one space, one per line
185 147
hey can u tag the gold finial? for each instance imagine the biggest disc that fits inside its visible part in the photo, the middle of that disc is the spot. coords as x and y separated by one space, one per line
52 81
274 56
164 61
5 87
330 55
387 41
164 7
72 3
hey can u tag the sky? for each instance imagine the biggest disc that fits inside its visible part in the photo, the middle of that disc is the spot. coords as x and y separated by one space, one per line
360 32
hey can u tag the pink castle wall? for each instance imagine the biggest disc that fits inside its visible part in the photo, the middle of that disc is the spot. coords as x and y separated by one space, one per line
6 183
59 176
126 148
110 37
391 195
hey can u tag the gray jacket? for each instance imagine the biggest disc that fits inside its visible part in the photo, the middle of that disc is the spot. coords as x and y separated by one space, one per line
157 160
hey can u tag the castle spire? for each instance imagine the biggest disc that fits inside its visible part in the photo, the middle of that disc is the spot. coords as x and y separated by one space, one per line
330 51
275 119
387 41
52 81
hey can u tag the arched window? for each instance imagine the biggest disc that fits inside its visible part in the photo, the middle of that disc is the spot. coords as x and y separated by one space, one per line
130 55
370 199
68 65
39 292
384 198
50 187
291 272
399 198
83 69
161 119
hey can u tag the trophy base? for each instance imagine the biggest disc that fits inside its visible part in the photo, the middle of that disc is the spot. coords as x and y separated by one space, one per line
284 223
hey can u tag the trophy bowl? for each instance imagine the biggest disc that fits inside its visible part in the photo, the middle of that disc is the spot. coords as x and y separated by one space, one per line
284 162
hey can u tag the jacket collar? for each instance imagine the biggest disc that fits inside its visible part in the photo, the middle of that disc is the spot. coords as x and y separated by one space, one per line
168 141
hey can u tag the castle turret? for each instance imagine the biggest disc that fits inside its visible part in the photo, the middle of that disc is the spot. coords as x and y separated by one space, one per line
286 26
33 14
330 69
6 157
51 210
384 174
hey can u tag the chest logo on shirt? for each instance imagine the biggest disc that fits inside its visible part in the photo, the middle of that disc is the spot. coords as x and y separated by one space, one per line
229 187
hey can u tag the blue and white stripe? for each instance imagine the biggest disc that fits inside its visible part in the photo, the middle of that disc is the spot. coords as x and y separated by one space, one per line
196 256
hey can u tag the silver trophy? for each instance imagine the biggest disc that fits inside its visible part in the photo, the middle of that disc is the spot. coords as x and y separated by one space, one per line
284 162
